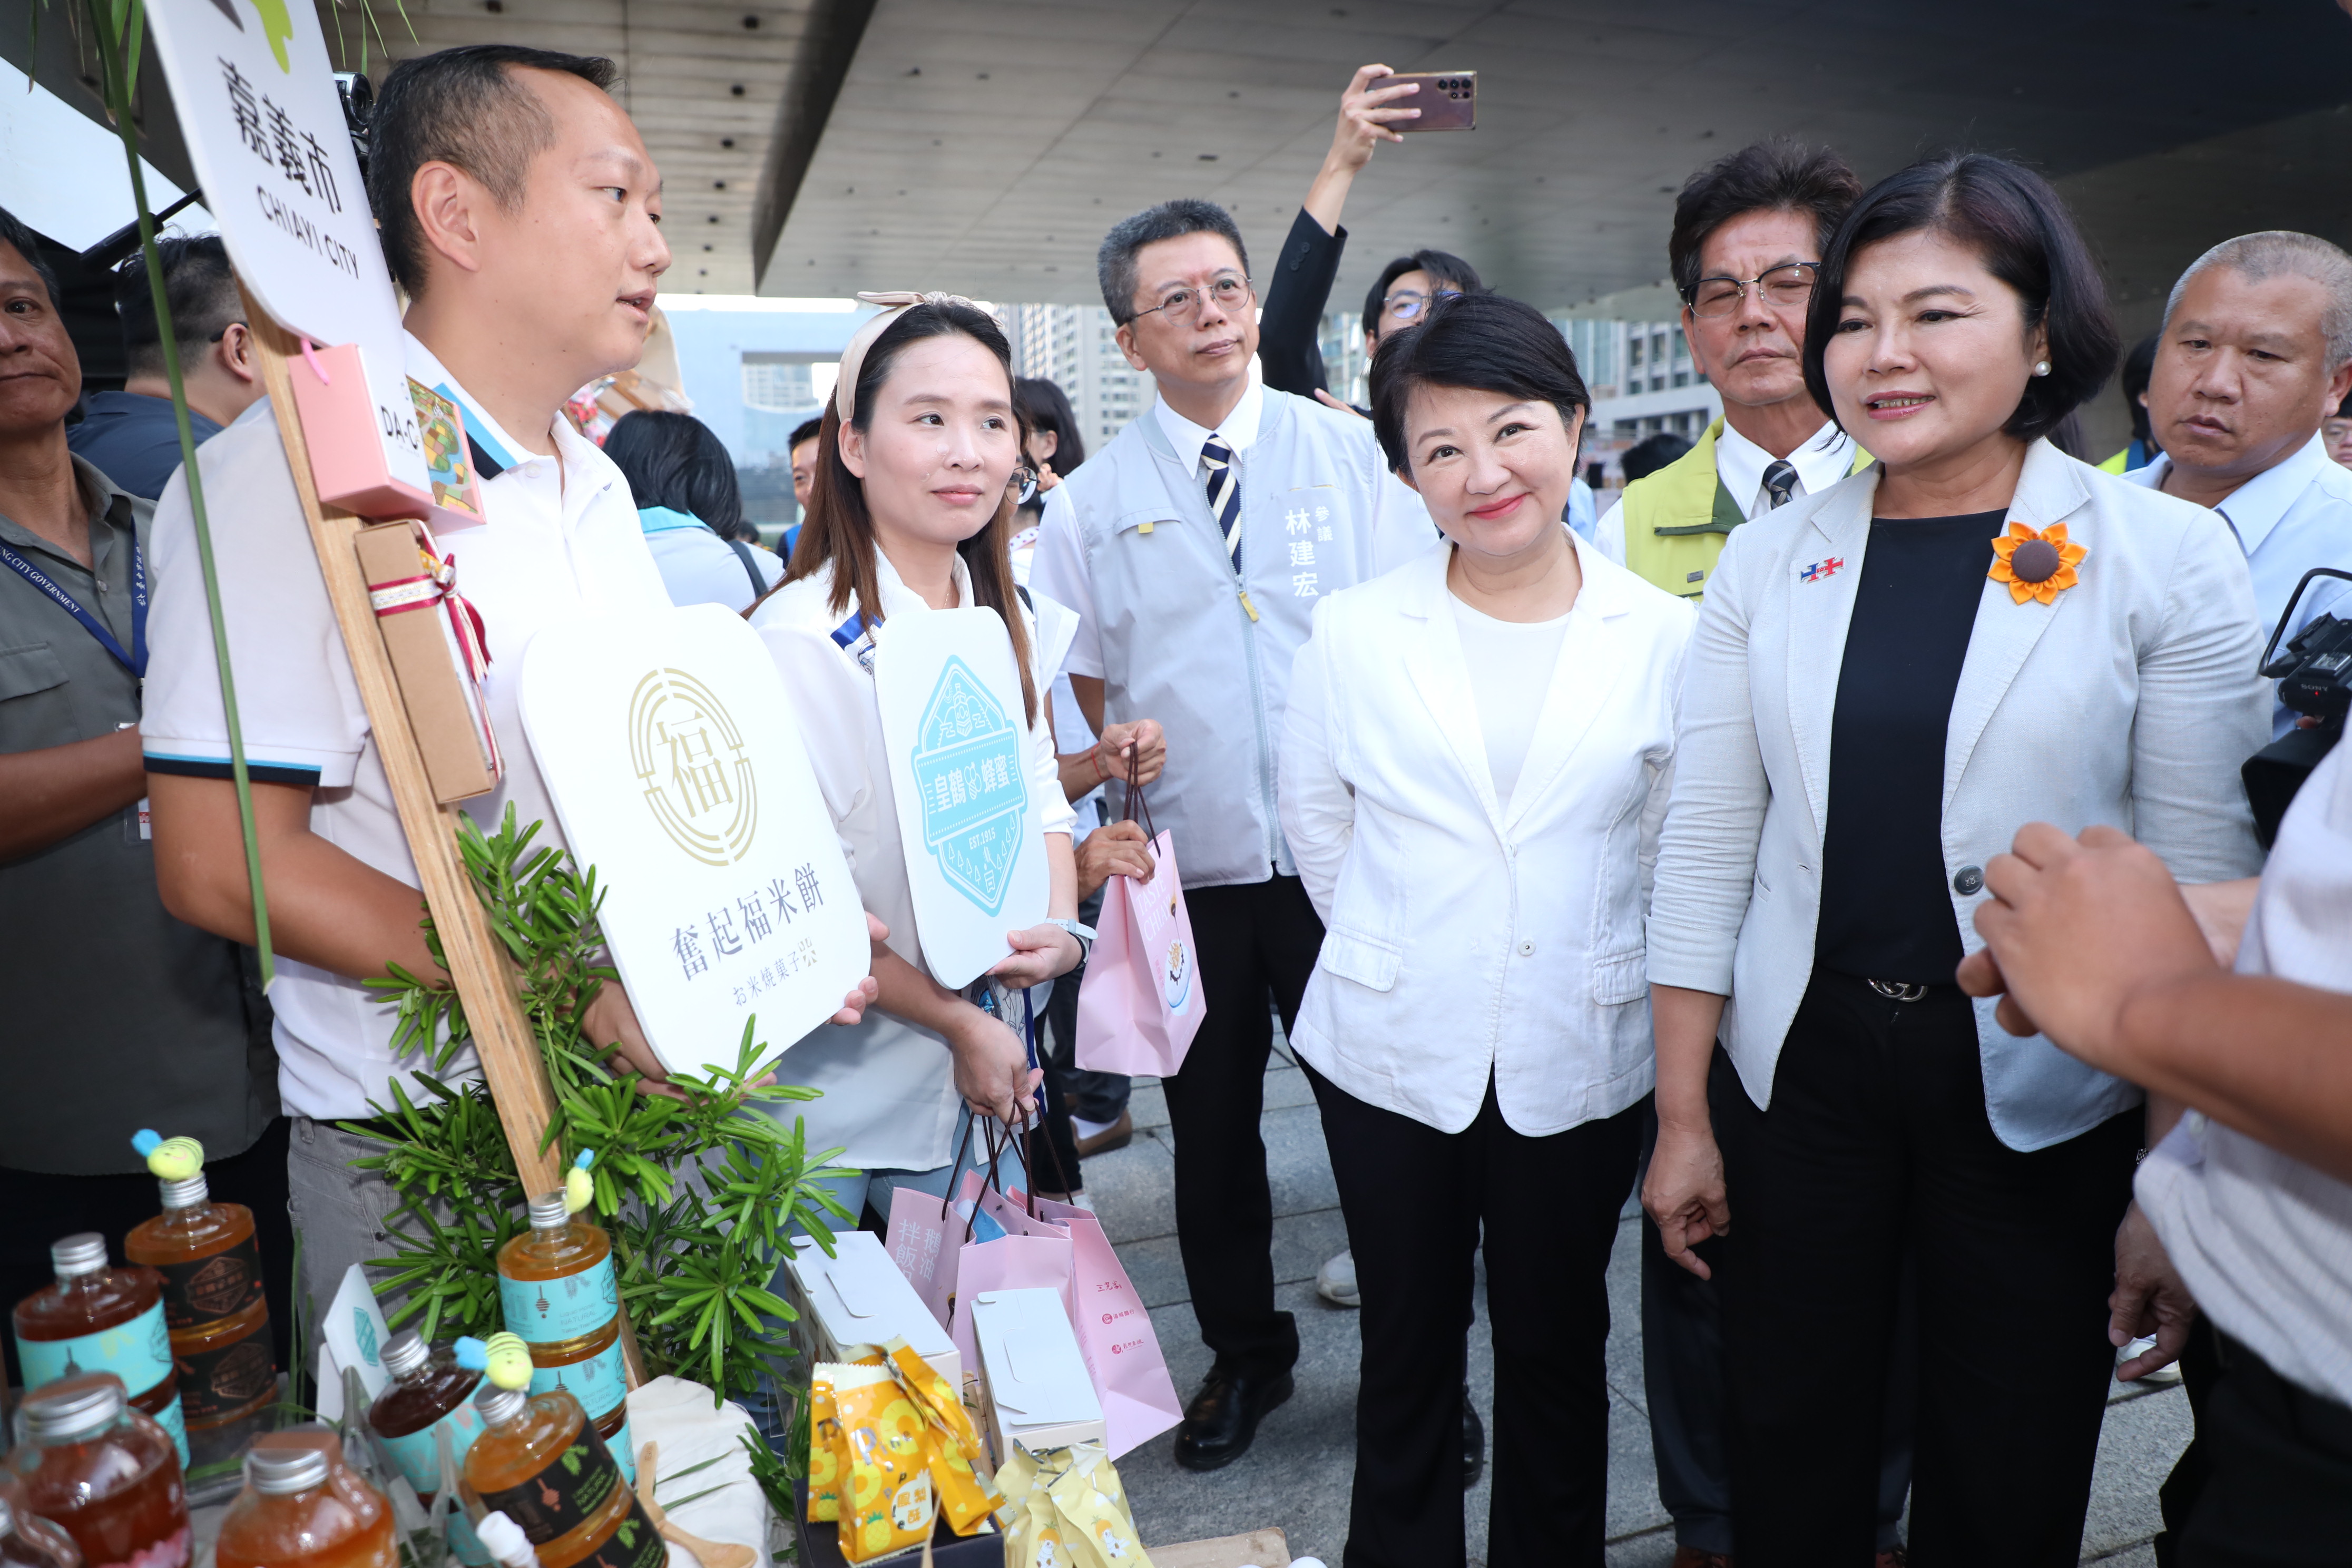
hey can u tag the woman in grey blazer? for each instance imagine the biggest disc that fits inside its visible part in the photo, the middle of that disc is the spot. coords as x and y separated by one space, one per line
1887 679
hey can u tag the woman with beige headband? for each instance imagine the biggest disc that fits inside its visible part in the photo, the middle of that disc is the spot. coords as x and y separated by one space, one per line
911 512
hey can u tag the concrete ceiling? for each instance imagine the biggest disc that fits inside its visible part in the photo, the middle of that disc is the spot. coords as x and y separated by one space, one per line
985 145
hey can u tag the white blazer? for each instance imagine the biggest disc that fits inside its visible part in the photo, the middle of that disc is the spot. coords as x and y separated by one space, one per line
2132 700
888 1086
1466 938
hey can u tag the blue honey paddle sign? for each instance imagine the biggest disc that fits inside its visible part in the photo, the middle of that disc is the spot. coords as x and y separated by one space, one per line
970 823
969 775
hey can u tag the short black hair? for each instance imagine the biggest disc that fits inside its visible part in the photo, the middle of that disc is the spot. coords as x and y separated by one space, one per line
1651 453
1115 261
2024 234
1487 341
462 106
807 430
1044 407
678 461
2139 369
15 234
199 285
1438 264
1773 175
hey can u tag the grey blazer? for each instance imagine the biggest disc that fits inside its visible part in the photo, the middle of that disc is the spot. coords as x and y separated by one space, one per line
2131 701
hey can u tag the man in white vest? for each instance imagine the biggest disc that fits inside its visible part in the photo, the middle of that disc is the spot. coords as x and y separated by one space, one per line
1199 542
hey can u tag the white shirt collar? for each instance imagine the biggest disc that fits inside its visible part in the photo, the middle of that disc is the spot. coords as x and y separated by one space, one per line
2254 507
1821 460
1239 429
898 599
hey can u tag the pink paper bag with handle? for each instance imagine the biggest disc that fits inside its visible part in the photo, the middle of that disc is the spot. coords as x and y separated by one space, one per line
1115 1336
1141 1002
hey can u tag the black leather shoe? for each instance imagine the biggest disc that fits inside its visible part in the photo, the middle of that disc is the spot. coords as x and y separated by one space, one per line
1222 1421
1473 1442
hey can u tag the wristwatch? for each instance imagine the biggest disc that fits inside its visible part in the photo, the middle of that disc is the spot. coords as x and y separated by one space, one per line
1085 934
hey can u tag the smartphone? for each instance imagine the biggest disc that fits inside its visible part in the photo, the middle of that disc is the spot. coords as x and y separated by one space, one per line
1448 100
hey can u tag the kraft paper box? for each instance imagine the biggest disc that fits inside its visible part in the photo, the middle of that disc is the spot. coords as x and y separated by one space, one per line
445 706
856 1301
1034 1382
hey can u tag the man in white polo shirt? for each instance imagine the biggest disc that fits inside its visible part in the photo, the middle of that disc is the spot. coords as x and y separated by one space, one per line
520 208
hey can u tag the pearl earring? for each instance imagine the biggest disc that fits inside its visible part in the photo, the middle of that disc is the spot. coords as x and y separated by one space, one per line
2042 367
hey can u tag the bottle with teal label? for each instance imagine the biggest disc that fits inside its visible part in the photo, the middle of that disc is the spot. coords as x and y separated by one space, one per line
430 1394
101 1318
556 1285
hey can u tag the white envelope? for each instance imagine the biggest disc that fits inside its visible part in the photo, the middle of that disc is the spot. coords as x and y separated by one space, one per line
1037 1382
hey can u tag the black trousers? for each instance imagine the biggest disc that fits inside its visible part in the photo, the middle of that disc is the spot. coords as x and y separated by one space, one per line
1877 1142
1415 1201
36 1209
1685 1382
1257 943
2277 1489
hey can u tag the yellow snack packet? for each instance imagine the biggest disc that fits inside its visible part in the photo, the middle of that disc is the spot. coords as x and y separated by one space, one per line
959 1466
888 1502
824 1460
1093 1505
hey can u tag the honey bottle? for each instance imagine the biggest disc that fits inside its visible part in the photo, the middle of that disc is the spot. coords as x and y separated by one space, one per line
429 1393
103 1471
99 1318
540 1463
301 1509
556 1285
213 1303
28 1541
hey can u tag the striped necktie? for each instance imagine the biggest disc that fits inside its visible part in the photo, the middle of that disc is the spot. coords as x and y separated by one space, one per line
1225 494
1779 479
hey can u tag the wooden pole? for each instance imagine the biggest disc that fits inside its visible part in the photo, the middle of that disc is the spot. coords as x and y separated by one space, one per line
511 1064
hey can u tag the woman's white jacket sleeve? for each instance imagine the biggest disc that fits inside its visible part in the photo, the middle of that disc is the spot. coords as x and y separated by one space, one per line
1318 807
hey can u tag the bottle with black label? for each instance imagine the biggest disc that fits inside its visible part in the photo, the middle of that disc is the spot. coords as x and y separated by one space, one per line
213 1300
98 1319
540 1462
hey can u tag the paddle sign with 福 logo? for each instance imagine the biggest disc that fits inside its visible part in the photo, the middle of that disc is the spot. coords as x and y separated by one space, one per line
668 746
969 817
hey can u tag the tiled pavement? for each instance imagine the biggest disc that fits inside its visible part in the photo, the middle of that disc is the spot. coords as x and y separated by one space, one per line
1297 1474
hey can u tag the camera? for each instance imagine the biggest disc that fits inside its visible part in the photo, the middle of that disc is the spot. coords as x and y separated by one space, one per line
2314 676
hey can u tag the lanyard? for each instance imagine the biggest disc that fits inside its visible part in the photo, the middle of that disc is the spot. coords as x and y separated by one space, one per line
134 661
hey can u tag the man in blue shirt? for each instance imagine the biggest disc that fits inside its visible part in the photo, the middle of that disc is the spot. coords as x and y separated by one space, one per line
130 435
2255 354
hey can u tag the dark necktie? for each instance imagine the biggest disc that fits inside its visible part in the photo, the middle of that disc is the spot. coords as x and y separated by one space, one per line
1225 495
1780 478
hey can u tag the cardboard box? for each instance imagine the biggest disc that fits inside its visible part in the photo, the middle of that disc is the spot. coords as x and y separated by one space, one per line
1259 1549
856 1301
1035 1388
446 708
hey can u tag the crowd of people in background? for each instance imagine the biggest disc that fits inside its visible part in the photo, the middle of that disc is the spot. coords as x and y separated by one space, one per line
1692 839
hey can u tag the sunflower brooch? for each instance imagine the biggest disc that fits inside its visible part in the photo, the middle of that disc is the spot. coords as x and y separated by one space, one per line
2035 565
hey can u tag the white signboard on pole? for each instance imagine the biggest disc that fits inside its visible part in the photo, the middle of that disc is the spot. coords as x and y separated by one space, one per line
264 130
969 817
667 743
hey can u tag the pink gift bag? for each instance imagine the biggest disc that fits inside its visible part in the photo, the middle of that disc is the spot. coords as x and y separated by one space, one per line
1115 1336
1142 1002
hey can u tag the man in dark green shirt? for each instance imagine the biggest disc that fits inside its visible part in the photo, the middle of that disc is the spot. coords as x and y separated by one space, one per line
119 1016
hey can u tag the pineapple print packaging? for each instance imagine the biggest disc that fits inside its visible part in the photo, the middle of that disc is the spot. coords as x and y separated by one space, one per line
886 1502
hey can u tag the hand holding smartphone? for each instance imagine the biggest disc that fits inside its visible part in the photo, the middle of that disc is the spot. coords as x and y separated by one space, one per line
1448 100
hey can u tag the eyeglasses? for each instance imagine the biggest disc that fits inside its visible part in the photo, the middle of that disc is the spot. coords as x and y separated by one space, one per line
1024 482
1780 285
1183 306
1407 304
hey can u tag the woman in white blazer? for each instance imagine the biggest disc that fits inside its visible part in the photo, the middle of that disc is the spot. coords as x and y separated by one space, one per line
911 512
1887 680
1473 766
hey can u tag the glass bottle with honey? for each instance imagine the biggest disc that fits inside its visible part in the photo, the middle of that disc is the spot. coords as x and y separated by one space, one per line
100 1319
540 1462
213 1303
558 1292
28 1541
428 1394
300 1510
103 1472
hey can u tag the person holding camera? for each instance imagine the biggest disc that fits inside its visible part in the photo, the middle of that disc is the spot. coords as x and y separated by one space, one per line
1885 677
2089 942
2256 356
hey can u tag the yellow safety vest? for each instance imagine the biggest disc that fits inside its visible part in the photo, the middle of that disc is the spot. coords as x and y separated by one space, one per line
1677 519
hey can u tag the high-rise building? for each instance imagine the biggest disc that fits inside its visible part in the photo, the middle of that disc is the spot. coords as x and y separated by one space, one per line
1072 346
